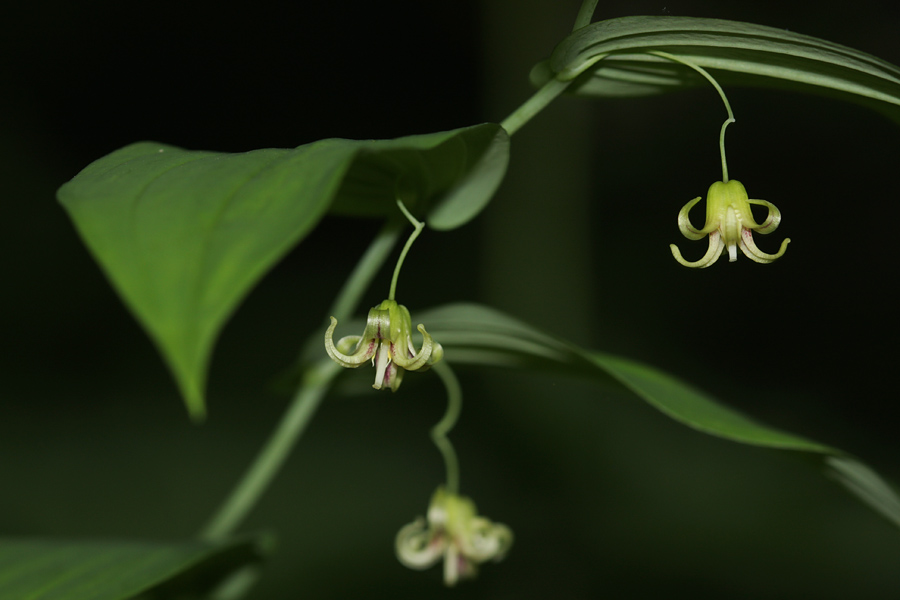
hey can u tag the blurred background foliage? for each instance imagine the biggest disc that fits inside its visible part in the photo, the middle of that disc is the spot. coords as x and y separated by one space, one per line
605 495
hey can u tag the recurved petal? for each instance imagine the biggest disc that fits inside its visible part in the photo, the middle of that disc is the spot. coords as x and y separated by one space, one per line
437 353
486 540
684 222
418 546
716 245
364 350
748 247
772 220
415 362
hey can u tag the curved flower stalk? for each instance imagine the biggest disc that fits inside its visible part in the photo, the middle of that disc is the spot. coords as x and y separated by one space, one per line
387 342
729 221
729 224
455 533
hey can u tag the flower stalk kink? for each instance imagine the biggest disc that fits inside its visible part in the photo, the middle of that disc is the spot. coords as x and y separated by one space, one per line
730 223
453 530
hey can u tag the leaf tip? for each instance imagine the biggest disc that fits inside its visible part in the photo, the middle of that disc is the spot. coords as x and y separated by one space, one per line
195 402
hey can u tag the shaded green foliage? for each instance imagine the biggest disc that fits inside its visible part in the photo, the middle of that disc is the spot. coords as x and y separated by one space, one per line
120 570
184 235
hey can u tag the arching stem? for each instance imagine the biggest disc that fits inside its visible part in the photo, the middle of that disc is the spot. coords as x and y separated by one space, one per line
317 380
534 105
585 13
716 85
439 432
418 227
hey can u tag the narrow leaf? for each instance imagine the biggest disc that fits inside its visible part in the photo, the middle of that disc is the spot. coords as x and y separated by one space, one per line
481 335
184 235
866 484
613 57
474 334
114 570
697 410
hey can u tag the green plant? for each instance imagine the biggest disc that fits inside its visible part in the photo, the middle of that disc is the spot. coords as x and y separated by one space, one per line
185 235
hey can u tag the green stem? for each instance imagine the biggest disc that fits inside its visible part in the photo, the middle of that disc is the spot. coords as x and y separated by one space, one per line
366 269
722 149
439 432
418 227
585 13
716 85
314 385
316 382
534 105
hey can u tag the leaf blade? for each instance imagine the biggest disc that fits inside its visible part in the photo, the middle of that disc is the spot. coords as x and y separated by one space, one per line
113 570
184 235
697 410
749 53
462 329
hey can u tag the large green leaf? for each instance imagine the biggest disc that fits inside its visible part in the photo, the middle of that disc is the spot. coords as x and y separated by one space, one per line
473 334
184 235
611 57
448 177
44 569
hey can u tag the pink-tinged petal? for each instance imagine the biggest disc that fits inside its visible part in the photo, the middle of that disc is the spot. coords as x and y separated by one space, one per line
684 222
464 538
362 353
386 341
419 546
457 566
748 246
485 540
417 360
716 245
393 376
771 221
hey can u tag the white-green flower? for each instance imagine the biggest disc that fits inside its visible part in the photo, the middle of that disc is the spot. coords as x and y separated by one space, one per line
729 224
387 342
454 532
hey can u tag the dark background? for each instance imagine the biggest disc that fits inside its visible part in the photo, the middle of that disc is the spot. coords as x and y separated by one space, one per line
606 496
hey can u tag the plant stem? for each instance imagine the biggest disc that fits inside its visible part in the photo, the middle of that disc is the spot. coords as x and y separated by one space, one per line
716 85
722 148
314 385
366 269
316 382
418 227
439 432
534 105
585 13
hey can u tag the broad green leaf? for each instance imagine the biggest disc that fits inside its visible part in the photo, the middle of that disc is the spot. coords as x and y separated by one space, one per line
47 569
184 235
473 334
611 57
448 177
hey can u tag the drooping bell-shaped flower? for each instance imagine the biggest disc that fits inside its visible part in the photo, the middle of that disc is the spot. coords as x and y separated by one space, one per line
729 224
387 342
454 532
